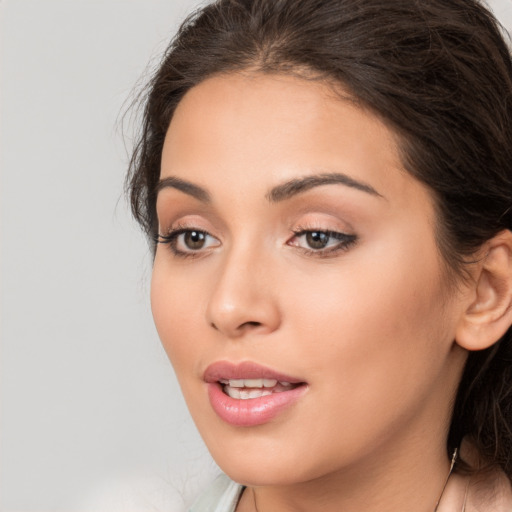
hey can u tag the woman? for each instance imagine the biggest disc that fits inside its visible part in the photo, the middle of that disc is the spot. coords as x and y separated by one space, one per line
329 189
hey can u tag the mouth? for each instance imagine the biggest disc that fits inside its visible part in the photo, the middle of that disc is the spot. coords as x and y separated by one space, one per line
248 394
248 389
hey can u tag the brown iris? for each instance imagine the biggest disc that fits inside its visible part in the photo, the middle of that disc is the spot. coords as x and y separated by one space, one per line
317 239
194 239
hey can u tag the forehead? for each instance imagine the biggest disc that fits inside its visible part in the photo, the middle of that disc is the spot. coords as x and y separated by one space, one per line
256 130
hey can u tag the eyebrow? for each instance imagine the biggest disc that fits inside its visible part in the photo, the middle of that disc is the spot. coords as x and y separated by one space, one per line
276 194
299 185
184 186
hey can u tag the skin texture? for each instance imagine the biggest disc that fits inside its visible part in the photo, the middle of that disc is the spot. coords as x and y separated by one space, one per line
369 327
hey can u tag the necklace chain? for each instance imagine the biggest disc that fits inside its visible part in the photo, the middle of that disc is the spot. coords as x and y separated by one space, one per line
452 465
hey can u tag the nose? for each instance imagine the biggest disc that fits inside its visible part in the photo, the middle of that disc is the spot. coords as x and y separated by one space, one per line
244 299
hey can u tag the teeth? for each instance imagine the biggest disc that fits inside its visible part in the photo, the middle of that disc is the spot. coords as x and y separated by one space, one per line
246 389
252 383
246 394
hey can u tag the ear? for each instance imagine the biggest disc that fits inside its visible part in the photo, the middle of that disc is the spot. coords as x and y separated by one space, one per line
489 314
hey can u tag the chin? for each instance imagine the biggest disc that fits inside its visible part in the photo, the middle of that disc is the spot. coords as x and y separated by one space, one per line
254 474
252 459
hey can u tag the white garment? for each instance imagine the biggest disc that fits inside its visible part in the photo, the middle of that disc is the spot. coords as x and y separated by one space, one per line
222 496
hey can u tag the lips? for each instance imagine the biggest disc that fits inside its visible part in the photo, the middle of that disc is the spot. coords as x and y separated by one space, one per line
248 394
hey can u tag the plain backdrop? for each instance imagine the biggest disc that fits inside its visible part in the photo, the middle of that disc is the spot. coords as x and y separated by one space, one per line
91 417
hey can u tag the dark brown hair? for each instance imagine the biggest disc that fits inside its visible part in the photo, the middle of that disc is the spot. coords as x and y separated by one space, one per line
438 72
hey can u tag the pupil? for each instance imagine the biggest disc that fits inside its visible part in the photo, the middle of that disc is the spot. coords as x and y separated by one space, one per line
194 239
317 239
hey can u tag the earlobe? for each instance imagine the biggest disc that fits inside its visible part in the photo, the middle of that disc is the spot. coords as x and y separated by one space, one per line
489 315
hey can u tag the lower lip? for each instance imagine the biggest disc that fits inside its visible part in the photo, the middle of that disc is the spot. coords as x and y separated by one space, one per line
252 411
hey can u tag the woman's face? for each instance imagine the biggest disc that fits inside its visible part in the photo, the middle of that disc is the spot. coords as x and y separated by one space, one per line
301 257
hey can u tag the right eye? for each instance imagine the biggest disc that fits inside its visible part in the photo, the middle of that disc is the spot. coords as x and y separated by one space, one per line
187 242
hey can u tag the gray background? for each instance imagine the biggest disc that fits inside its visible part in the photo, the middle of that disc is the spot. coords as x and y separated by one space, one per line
91 416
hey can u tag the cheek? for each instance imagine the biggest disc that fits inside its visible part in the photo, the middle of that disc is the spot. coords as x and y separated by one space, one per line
175 313
378 327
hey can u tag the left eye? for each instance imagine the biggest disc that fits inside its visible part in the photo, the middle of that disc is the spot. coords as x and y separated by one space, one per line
314 240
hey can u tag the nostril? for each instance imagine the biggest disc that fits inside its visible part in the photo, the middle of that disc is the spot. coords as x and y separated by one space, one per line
251 324
241 327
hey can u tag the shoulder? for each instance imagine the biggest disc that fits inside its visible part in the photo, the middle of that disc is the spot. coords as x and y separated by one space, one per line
490 490
221 496
487 489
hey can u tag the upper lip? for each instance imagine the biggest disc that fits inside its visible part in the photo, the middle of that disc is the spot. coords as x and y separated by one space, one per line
225 370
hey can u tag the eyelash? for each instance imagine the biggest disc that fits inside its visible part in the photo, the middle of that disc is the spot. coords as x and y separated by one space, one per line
171 239
345 241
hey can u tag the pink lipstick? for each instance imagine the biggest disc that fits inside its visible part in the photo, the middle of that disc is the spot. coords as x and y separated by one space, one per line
248 394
